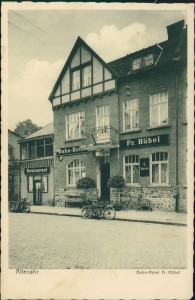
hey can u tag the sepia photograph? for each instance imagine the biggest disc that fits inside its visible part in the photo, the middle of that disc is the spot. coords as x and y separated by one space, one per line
97 152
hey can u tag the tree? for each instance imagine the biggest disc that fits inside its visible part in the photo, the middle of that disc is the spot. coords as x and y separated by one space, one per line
26 128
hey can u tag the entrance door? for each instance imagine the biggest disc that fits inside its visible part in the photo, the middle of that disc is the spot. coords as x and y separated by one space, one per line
37 193
105 175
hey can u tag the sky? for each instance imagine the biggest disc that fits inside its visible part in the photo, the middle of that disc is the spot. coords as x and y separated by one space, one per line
40 41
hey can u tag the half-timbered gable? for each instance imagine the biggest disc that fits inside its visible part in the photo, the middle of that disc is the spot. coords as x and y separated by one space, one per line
84 75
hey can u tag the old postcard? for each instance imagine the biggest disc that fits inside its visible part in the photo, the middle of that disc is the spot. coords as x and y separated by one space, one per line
97 151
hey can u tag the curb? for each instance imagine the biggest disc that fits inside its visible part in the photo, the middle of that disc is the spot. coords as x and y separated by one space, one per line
117 219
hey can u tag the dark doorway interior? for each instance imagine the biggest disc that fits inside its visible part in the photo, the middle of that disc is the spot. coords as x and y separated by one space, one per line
105 175
37 194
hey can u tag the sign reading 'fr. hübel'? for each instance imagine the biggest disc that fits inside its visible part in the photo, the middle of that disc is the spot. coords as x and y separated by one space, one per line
156 140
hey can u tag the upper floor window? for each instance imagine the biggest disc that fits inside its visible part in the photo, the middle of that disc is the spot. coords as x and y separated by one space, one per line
131 169
160 168
159 109
137 63
76 81
143 61
86 76
81 77
148 60
75 125
131 114
75 171
37 148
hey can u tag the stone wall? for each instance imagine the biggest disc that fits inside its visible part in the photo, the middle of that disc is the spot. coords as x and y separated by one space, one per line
73 194
160 199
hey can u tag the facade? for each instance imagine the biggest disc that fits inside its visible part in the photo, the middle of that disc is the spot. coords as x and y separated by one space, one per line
37 167
124 117
13 166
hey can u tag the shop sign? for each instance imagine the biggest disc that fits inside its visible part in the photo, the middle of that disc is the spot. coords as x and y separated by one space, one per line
149 141
144 167
71 150
42 170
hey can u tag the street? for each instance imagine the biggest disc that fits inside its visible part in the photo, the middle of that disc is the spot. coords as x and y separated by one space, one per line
58 242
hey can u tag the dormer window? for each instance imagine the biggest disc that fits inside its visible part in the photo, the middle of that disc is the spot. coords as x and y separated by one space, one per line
144 61
148 60
137 63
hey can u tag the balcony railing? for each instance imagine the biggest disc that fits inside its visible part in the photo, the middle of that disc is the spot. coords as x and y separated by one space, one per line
102 135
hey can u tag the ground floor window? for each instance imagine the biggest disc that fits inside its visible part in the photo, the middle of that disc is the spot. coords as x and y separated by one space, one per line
131 169
160 168
76 170
43 181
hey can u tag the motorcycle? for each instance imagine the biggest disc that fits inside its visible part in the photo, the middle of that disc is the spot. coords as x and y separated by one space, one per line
20 205
98 210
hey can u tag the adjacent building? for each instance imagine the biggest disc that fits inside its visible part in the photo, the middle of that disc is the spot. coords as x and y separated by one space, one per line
13 166
37 167
124 117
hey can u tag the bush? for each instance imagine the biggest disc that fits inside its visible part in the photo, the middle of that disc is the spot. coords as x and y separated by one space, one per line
85 183
117 181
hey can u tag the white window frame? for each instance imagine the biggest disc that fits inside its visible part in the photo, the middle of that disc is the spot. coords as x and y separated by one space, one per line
137 163
148 60
86 76
159 162
81 169
76 84
137 63
81 119
161 98
133 107
103 135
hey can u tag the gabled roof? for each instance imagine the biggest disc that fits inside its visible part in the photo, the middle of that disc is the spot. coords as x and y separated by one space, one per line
79 42
47 130
171 47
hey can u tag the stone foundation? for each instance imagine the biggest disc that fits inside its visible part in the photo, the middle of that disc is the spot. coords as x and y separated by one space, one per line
64 195
160 199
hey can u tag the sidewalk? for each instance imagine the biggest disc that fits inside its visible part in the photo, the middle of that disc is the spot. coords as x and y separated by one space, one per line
158 217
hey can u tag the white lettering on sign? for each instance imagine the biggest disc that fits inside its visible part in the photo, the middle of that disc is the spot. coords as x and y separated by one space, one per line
144 141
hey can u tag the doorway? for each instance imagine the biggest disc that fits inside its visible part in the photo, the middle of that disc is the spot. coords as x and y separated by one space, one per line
105 175
37 193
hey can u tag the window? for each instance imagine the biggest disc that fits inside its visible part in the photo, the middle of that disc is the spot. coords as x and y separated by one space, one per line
38 148
32 149
103 123
131 114
86 76
76 170
137 63
148 60
44 183
30 184
159 109
160 168
75 125
76 80
131 169
48 147
81 77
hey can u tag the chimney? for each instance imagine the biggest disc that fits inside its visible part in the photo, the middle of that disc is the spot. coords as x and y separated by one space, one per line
175 29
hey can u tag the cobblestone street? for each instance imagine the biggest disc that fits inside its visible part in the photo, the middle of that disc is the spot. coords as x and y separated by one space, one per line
57 242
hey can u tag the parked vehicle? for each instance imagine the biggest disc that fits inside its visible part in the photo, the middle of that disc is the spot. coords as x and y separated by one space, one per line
20 205
98 210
